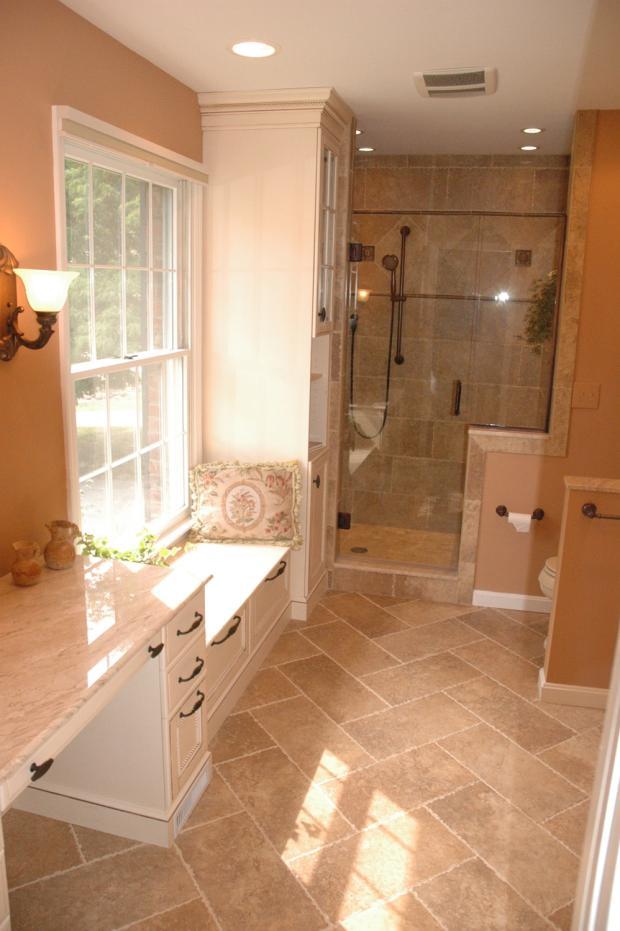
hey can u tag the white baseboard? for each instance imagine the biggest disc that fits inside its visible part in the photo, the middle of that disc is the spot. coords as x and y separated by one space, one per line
513 600
301 610
580 695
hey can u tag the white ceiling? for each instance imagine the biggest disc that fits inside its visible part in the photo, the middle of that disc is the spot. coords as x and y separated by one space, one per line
552 56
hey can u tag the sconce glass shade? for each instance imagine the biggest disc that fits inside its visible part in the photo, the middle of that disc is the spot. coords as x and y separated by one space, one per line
46 290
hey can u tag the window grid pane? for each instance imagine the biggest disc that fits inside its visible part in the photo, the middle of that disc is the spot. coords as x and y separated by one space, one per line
131 424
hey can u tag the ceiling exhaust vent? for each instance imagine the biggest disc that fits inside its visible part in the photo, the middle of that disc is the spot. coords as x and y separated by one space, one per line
457 82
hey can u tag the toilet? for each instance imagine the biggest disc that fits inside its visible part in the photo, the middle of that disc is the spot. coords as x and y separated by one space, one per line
546 579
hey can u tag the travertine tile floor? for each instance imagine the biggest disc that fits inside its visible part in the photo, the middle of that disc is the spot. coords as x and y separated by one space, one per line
389 768
399 545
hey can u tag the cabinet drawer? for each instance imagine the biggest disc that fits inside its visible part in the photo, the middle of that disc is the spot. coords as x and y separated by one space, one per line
227 652
269 601
188 668
188 737
183 626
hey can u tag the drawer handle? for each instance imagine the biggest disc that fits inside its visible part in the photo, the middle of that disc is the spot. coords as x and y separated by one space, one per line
188 714
40 770
281 569
231 630
155 651
317 481
199 619
198 668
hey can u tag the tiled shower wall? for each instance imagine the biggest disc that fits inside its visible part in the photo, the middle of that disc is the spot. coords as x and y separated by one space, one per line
460 254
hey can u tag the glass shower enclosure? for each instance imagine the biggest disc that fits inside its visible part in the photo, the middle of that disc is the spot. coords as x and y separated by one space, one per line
475 310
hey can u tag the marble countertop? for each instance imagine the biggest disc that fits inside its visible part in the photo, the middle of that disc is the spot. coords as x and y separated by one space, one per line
62 640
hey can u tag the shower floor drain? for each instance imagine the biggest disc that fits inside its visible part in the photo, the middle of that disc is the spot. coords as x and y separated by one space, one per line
359 549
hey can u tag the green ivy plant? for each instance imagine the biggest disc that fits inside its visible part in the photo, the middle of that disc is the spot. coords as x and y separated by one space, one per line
538 324
145 549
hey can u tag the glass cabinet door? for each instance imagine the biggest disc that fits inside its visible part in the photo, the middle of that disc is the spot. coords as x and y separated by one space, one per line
327 229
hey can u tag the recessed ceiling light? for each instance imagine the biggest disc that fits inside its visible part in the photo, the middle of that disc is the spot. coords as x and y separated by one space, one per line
532 130
359 132
254 49
365 148
528 148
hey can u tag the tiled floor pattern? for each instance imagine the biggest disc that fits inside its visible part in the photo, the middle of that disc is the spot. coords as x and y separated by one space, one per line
399 545
389 769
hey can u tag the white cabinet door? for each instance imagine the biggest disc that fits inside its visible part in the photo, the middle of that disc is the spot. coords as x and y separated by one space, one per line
316 521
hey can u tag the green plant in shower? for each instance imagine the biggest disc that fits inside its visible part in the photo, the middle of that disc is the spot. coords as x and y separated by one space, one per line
538 323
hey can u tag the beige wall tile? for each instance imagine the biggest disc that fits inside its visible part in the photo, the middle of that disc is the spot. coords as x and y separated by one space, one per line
511 771
524 855
313 741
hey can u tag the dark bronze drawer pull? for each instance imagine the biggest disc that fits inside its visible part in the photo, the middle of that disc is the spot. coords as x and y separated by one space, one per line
231 630
199 619
277 574
40 770
317 481
155 651
188 714
197 669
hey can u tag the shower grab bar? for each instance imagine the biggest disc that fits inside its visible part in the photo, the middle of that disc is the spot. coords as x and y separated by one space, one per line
457 387
590 510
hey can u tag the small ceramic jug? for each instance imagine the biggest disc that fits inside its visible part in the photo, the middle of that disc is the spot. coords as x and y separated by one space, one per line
28 566
60 551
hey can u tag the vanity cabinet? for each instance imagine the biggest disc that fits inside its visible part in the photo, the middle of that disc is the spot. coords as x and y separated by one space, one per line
315 566
275 286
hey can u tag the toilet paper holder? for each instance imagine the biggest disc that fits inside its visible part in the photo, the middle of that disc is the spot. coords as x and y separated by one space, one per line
502 511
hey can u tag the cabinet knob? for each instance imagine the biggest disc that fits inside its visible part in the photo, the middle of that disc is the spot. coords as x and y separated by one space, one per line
317 481
40 769
322 314
155 651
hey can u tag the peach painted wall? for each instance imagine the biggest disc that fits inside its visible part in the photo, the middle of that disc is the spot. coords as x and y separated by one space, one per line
510 562
584 619
52 56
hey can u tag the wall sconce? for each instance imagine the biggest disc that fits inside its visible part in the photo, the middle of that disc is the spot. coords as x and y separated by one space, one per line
46 292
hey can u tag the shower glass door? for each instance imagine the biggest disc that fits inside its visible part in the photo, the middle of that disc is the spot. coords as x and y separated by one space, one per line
468 358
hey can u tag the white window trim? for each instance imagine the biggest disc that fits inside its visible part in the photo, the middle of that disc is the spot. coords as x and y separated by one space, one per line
144 153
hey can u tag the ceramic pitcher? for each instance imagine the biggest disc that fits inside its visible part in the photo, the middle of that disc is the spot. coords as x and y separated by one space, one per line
28 565
60 551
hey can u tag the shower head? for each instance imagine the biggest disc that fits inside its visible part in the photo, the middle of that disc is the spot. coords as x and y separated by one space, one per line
390 262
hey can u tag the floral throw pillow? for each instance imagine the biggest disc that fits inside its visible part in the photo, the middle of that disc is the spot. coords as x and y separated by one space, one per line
237 502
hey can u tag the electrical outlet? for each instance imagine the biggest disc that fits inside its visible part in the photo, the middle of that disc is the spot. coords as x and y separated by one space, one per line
586 395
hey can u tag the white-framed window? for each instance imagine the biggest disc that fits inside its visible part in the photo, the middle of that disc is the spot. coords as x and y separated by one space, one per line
131 353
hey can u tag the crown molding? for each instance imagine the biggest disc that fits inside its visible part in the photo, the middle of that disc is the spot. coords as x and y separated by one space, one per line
296 106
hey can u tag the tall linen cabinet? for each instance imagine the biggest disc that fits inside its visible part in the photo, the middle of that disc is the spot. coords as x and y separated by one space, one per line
277 212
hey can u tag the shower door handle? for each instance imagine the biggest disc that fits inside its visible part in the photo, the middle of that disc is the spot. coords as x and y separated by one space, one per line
457 388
